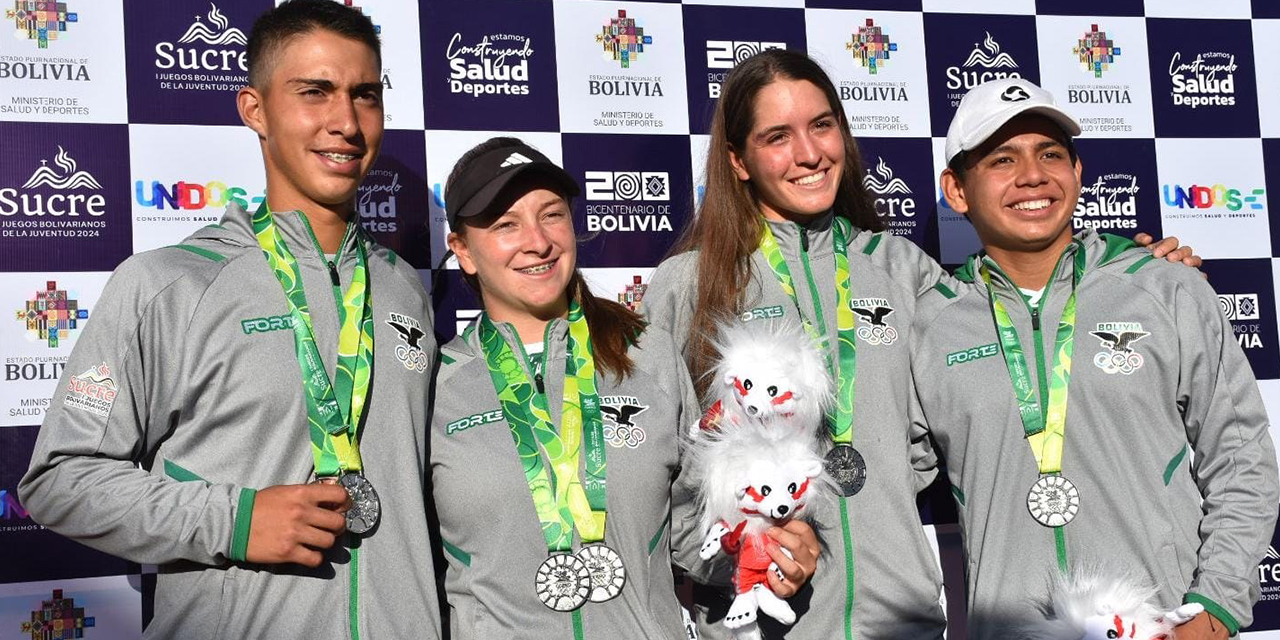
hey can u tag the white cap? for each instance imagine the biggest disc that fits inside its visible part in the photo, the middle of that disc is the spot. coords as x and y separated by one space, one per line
991 104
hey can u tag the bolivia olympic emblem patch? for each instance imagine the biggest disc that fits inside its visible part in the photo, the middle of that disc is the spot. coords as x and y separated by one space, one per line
1118 339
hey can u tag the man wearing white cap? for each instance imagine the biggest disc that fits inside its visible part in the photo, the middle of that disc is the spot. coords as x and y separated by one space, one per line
1092 404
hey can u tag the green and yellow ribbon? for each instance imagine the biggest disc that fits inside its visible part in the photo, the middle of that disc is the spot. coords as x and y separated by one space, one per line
845 373
333 416
568 500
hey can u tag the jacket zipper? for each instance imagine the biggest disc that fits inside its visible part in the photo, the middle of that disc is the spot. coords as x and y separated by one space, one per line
353 585
820 320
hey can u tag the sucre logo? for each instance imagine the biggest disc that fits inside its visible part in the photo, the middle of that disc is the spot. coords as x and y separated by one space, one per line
981 66
210 56
46 179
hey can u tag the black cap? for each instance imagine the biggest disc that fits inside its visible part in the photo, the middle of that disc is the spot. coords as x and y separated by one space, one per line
483 179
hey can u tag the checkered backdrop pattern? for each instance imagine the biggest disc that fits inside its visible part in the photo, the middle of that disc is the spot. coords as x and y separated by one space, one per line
120 135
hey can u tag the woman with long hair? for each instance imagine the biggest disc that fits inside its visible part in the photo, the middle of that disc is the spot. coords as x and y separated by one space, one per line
556 427
786 230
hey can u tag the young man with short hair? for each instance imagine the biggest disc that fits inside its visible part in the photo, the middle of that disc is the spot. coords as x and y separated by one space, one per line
248 408
1092 404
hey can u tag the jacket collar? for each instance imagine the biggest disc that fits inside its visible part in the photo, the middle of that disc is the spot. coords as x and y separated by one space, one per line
1100 249
294 228
817 234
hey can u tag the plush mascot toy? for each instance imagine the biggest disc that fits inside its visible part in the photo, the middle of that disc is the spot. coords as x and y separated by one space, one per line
770 374
756 457
1090 605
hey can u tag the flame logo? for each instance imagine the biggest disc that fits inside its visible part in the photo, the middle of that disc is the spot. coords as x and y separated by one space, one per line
69 179
991 58
885 184
222 36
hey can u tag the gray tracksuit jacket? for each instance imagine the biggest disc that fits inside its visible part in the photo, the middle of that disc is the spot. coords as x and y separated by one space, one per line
184 395
878 576
488 524
1170 453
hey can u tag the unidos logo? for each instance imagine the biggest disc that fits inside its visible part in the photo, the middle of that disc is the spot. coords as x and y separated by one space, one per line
192 196
42 193
985 62
723 55
51 314
1207 80
871 47
623 39
1111 202
1095 51
497 64
41 21
1217 196
633 194
211 48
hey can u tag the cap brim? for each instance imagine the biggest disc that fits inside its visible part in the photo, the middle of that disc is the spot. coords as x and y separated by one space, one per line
1001 118
485 197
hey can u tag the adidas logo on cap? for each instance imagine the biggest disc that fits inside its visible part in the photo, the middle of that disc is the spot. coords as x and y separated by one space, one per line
514 159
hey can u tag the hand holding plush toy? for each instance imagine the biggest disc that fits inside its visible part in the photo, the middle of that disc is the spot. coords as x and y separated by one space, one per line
756 457
1088 605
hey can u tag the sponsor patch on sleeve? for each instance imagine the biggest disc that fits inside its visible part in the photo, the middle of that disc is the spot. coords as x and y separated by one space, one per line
93 391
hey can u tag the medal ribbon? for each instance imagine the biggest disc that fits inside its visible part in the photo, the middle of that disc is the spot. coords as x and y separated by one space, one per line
846 371
569 500
333 416
1044 424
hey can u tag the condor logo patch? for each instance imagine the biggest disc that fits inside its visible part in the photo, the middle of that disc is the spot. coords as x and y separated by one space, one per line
1118 339
871 313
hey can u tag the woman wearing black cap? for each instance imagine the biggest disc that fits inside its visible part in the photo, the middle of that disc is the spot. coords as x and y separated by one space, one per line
542 538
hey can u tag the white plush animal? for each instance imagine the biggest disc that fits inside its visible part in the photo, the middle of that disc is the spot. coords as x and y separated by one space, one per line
752 481
771 373
1089 604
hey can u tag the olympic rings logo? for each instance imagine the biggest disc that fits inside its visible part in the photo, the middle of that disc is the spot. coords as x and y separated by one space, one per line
1118 362
412 359
878 334
623 436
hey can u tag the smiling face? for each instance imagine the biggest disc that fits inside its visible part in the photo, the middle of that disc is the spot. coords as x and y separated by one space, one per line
794 155
319 117
522 258
1021 190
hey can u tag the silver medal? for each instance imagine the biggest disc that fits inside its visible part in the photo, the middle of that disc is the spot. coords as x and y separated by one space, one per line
845 465
607 573
366 508
563 582
1053 501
